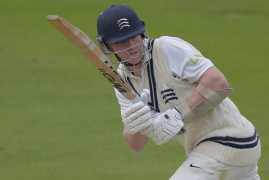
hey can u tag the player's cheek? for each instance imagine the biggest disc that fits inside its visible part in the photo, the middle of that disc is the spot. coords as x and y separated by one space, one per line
123 55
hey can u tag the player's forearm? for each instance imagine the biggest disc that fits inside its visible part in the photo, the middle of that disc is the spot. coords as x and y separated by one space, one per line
212 79
136 141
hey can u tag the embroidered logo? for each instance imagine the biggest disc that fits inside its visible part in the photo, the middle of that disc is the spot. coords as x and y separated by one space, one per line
123 23
194 166
182 131
194 61
166 116
168 95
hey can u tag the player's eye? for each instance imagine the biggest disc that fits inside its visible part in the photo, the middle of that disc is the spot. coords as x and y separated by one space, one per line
122 42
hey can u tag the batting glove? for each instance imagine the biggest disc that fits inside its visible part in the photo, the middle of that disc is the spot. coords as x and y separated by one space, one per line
138 116
164 127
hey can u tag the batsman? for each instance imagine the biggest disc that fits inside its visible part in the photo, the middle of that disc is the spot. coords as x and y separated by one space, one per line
184 98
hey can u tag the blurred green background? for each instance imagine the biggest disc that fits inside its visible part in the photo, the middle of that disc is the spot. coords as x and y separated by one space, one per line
59 118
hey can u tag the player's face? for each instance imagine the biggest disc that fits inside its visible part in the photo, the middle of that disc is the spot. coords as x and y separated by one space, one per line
133 49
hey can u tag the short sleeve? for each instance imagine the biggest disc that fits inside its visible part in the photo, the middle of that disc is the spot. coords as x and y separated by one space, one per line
184 60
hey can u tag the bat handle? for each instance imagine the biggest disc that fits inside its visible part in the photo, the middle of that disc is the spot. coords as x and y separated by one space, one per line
145 95
136 99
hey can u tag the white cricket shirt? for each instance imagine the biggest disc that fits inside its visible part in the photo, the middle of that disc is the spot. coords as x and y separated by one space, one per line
184 61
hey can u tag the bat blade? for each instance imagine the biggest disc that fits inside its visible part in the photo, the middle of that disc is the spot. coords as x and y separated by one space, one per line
93 54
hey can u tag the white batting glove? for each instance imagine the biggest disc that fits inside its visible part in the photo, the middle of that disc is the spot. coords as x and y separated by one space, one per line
138 116
164 127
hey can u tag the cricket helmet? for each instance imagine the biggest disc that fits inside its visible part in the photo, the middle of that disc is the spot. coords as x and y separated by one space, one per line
118 23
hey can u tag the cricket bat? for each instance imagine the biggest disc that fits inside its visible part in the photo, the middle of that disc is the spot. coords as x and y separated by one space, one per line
94 55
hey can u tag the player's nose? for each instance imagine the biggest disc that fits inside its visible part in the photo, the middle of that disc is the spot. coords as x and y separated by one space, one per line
131 43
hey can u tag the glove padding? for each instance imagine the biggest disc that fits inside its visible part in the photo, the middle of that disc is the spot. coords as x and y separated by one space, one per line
164 127
138 116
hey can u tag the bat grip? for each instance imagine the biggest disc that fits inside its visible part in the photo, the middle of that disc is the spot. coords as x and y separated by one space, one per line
136 99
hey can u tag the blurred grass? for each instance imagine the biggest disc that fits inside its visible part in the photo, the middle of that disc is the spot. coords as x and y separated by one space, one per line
60 118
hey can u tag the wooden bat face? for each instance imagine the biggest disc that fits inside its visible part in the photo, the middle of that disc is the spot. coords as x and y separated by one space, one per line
93 54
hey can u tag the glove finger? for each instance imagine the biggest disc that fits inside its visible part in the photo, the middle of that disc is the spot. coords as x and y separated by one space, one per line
140 112
137 129
147 123
133 131
154 139
147 130
132 109
126 120
143 110
159 142
129 126
142 119
151 134
158 131
161 135
168 138
157 123
143 131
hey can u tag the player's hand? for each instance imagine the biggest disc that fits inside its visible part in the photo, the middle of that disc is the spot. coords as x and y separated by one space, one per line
164 127
138 116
